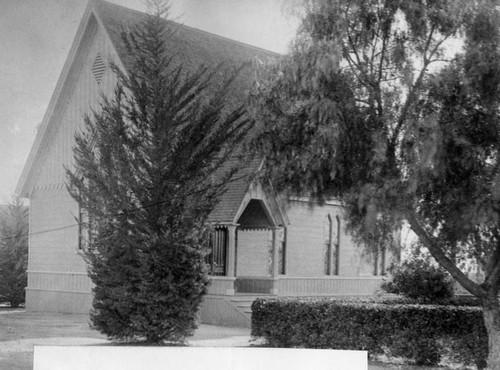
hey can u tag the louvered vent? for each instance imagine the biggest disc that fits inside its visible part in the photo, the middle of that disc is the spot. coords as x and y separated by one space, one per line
98 68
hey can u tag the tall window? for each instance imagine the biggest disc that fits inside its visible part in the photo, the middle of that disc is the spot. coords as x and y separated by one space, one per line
282 251
379 257
216 259
336 245
331 245
84 230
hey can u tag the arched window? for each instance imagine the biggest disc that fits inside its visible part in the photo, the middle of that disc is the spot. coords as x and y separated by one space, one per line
379 257
336 245
331 232
282 251
327 249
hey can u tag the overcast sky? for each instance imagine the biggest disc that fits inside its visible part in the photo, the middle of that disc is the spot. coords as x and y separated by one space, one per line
36 35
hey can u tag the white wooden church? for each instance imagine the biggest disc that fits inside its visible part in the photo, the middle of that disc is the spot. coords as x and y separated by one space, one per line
265 244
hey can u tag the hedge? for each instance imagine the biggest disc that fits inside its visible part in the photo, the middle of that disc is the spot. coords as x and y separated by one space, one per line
422 334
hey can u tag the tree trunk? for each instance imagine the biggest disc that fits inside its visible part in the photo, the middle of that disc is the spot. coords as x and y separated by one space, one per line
488 293
491 313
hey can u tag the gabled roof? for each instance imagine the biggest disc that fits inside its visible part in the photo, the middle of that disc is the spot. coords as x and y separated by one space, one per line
195 47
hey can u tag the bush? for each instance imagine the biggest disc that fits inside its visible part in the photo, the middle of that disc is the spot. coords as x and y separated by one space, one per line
421 334
419 279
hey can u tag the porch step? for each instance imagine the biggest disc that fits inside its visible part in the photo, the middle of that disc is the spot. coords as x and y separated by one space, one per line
243 302
244 307
252 296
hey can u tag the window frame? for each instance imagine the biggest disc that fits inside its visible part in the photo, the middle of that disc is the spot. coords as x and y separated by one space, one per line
331 244
84 230
219 238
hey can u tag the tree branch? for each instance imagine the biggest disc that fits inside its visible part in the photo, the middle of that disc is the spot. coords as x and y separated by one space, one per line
492 280
411 95
378 93
441 258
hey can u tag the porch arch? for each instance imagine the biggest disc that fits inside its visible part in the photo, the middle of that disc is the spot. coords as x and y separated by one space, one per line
255 216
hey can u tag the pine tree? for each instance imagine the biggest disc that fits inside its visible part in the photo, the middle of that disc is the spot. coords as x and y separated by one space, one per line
150 165
13 252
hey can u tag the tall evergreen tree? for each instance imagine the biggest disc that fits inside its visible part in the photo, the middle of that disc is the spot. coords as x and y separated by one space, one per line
393 106
150 165
13 252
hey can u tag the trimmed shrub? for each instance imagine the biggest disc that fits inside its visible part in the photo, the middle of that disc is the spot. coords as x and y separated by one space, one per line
419 279
422 334
459 300
464 300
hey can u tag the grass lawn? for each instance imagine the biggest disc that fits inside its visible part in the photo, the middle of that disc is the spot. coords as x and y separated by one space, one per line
20 331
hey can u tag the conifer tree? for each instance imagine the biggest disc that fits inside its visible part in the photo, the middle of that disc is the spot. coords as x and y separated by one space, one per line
150 165
13 252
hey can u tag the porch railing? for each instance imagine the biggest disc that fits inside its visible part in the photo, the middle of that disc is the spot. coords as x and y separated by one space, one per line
318 286
296 286
263 285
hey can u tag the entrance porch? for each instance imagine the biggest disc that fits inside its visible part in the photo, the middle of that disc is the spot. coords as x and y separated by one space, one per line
249 255
229 299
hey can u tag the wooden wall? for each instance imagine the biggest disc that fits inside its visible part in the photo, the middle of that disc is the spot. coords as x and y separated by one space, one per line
305 242
81 93
57 279
253 255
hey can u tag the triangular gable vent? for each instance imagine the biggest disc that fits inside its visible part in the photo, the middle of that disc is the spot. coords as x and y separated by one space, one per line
98 68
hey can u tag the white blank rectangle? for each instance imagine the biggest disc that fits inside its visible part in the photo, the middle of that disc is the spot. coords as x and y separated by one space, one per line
191 358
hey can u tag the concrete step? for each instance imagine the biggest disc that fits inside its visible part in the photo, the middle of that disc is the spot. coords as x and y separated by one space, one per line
243 302
243 306
250 296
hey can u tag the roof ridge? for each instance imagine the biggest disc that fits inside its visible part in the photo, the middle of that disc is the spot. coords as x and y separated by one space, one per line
138 12
228 39
99 2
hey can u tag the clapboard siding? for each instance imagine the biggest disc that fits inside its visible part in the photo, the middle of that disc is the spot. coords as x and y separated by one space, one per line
254 252
305 242
53 226
53 252
59 281
82 95
54 232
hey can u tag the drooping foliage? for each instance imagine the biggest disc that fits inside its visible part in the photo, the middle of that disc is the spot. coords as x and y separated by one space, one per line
13 252
393 107
150 165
